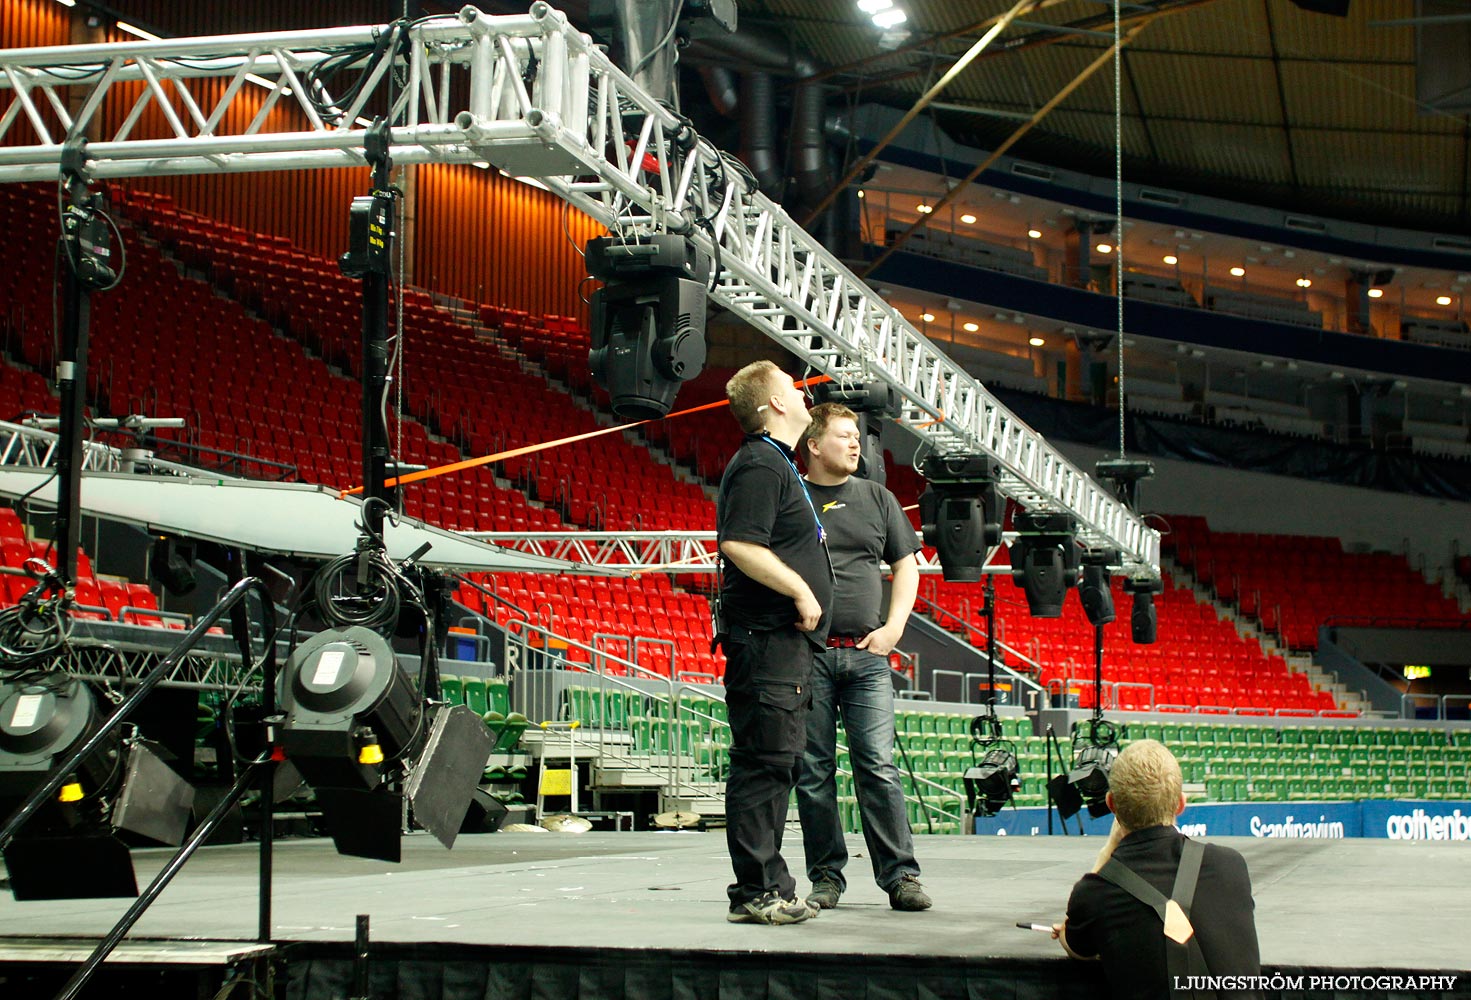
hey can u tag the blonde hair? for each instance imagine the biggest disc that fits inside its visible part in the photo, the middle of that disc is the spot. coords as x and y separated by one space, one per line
748 391
822 415
1145 781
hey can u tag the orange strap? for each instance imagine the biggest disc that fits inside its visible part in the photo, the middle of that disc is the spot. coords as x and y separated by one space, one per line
471 463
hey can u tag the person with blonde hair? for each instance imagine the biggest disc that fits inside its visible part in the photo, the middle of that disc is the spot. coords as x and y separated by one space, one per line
776 588
1159 910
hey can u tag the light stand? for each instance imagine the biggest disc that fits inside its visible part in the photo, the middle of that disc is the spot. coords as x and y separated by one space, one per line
991 780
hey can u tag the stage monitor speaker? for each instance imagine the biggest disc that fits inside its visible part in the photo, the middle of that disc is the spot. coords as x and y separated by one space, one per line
485 815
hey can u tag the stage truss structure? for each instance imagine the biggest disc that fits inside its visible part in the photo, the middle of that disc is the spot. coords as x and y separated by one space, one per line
536 98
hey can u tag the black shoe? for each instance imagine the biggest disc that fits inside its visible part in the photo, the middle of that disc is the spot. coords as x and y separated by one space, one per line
824 894
908 894
771 909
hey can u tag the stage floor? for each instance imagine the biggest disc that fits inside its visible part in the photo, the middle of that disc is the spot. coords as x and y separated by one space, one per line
1345 904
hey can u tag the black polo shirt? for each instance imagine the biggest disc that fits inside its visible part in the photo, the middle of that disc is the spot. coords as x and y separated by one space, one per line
865 527
762 501
1106 921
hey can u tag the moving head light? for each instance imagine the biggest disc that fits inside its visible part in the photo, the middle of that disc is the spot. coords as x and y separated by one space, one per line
961 512
648 320
1094 590
1044 560
1143 618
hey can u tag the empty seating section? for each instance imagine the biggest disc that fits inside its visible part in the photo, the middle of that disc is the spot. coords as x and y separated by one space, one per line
1292 584
1438 332
1152 289
1263 306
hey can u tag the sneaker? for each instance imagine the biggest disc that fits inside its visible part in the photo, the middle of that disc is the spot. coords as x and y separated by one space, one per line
771 909
824 894
908 894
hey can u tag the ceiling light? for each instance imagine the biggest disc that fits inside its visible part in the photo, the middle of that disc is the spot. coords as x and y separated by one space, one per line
924 209
1238 272
928 317
968 219
1304 282
67 3
1442 300
860 194
136 32
1171 259
889 18
874 6
972 327
1035 234
1376 293
1037 342
1104 248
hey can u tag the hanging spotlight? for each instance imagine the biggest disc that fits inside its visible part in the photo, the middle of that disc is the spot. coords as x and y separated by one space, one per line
991 780
1044 560
960 512
1094 589
364 740
70 849
873 402
1095 747
648 320
1142 617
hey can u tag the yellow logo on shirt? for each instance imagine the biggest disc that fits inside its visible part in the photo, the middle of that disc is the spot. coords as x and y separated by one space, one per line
833 505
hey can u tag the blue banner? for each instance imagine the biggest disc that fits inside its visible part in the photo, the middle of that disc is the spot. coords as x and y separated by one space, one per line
1395 820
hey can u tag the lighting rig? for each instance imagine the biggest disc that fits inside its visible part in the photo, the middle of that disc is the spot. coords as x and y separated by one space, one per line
873 402
961 511
1045 559
991 780
648 319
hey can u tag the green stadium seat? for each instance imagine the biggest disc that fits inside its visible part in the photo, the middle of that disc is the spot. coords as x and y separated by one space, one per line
475 700
453 688
498 695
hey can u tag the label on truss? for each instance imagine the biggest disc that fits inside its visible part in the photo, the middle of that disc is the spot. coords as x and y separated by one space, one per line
328 667
27 707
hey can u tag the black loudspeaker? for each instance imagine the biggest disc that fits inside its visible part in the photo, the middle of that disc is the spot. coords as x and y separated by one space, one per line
485 815
172 565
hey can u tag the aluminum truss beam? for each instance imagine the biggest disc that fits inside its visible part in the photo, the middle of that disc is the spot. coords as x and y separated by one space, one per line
536 98
34 447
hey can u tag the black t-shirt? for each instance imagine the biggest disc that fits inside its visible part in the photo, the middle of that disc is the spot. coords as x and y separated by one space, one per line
865 527
1106 921
762 501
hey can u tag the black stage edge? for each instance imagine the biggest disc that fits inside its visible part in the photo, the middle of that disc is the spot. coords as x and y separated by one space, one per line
640 916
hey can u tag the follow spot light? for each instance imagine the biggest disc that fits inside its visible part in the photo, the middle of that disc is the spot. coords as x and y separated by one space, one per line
364 739
961 511
70 848
1044 560
648 320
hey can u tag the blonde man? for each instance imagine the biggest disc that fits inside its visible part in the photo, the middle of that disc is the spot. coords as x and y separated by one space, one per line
775 592
866 528
1147 867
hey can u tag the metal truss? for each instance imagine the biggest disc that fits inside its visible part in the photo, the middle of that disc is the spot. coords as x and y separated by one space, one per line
35 447
632 552
122 655
541 101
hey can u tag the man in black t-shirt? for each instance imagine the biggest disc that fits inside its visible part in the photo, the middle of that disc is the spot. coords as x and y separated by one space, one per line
866 528
1106 921
775 593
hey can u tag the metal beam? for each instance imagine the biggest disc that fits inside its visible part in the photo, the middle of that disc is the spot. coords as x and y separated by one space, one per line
582 127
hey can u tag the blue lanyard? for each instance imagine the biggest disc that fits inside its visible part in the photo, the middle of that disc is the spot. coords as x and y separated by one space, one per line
821 532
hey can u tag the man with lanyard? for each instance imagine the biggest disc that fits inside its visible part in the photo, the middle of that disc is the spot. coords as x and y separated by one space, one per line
866 527
775 592
1161 911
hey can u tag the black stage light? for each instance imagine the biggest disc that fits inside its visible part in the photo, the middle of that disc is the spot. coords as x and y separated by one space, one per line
1142 616
70 848
961 512
1044 560
357 729
648 320
1094 590
992 781
171 563
873 402
1095 747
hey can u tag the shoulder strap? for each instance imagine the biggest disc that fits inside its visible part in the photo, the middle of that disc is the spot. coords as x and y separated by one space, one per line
1181 959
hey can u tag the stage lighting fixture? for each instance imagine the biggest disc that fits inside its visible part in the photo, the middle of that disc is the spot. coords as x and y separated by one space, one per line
1142 617
648 320
961 512
992 781
364 740
1094 590
70 848
873 402
1095 747
1044 560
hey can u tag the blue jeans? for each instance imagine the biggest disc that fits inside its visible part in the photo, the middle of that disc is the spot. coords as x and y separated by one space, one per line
855 683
